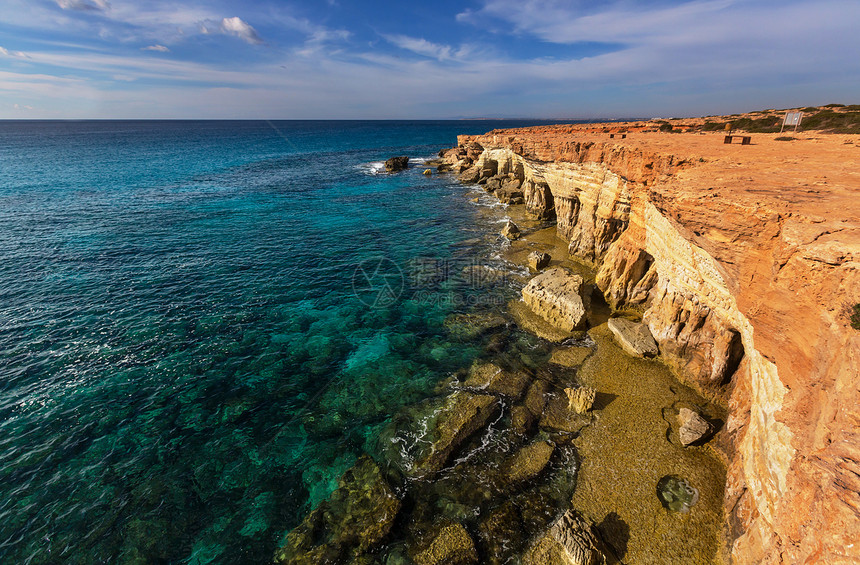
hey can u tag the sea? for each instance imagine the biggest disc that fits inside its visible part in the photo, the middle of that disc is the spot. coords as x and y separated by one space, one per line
203 324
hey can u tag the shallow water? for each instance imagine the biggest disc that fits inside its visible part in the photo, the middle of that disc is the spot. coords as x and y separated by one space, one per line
191 357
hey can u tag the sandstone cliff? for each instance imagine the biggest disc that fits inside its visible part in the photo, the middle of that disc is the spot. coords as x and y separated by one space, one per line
744 261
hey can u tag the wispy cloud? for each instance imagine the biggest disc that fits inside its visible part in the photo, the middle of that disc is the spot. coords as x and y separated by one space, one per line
234 26
84 5
427 48
156 47
16 54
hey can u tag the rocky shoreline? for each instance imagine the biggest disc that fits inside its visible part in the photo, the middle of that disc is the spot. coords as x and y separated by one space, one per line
555 447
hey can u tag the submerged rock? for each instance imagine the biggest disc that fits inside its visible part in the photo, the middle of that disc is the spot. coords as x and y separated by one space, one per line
395 164
490 378
580 399
511 231
569 356
560 416
528 462
676 494
355 518
537 260
570 541
420 443
692 427
470 326
635 338
554 295
500 534
452 545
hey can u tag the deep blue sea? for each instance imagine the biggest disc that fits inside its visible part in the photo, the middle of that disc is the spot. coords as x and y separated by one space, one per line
203 324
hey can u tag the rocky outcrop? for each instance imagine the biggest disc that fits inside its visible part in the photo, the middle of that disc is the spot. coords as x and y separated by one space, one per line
744 265
395 164
555 296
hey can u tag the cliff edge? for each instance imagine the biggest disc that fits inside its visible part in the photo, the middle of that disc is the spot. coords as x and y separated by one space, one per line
744 261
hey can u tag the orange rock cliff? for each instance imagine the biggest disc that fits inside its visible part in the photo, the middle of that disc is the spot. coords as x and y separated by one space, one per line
744 261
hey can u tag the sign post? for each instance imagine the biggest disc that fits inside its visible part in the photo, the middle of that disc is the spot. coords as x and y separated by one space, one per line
791 119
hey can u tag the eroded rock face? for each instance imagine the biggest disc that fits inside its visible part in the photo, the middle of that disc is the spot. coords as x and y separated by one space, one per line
356 517
635 338
743 287
555 296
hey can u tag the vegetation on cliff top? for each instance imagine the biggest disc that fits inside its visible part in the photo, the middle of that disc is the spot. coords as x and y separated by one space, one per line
855 317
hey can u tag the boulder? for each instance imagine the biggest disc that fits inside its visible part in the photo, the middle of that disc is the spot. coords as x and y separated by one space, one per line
554 295
634 337
427 172
692 427
537 260
490 378
493 184
509 196
528 462
511 231
512 184
581 399
571 540
470 175
452 545
395 164
355 518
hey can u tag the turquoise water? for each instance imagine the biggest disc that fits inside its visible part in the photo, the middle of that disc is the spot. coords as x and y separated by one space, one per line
203 324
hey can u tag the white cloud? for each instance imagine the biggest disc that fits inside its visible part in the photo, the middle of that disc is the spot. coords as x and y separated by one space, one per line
426 48
16 54
232 26
84 5
156 47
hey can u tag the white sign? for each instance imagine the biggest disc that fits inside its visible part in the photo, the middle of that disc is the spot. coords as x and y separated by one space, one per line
793 118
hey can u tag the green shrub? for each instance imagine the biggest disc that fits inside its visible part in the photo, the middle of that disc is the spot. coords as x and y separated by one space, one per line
666 126
855 317
784 138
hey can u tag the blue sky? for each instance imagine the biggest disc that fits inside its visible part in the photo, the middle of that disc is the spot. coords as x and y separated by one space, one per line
383 59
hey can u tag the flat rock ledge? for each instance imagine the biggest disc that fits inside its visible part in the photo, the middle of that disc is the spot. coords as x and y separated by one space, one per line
635 338
554 295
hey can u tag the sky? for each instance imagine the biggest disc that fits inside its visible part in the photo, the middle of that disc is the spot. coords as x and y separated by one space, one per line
385 59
